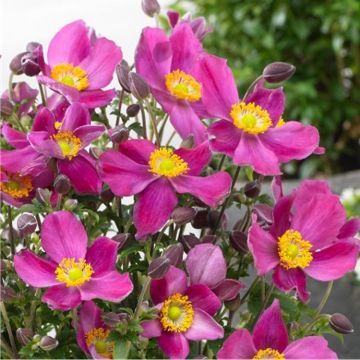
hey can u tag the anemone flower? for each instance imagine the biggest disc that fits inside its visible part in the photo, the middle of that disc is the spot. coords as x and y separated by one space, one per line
185 313
309 236
79 66
270 341
72 272
252 131
138 167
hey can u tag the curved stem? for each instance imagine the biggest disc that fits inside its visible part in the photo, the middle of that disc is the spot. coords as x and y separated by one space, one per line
325 297
251 87
8 328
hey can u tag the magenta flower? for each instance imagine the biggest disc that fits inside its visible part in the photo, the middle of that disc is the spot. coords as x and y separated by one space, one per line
80 66
252 131
72 273
309 236
168 65
92 334
66 142
185 313
156 175
270 341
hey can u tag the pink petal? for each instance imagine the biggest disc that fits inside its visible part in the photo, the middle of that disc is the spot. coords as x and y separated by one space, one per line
88 133
138 150
204 327
75 116
44 121
203 298
173 282
276 188
239 345
350 228
15 138
62 298
90 316
282 216
274 336
228 289
43 144
96 98
34 270
70 45
205 264
152 328
148 218
174 345
212 189
63 236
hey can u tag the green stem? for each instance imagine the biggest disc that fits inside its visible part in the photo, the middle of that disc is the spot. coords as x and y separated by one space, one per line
121 98
143 118
8 328
7 348
325 297
11 77
141 298
153 122
11 232
267 298
251 87
170 138
162 128
221 163
249 290
42 94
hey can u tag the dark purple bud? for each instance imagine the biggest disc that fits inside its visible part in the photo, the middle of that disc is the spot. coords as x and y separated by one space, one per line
16 64
175 254
119 134
233 304
62 184
70 204
200 219
138 86
122 73
150 7
228 289
7 294
341 324
159 267
107 195
30 65
24 335
189 241
252 189
209 239
48 343
132 110
6 107
43 196
123 240
183 215
32 46
277 72
26 223
212 219
238 241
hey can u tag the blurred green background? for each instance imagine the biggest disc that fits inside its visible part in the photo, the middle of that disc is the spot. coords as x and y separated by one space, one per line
322 39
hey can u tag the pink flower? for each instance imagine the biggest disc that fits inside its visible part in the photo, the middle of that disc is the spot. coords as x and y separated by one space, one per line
92 334
72 273
66 142
80 66
309 236
185 313
156 175
252 131
270 341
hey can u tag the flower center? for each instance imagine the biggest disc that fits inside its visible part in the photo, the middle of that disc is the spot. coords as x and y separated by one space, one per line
268 353
294 251
164 162
68 143
183 86
73 273
250 118
177 313
98 337
17 186
280 123
70 75
57 125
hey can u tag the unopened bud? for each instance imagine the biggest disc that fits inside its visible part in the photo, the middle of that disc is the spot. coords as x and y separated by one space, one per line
175 254
341 324
107 195
238 241
189 241
212 219
150 7
183 215
16 65
159 267
43 196
119 134
32 46
70 204
7 294
132 110
30 65
123 240
112 319
62 184
252 189
6 107
138 86
26 120
209 239
24 335
26 223
200 219
278 72
48 343
122 73
228 289
233 304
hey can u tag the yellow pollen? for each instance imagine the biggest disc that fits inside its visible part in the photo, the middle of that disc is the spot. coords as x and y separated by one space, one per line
177 313
250 118
70 75
164 162
68 143
280 123
73 273
57 125
183 86
268 353
17 186
98 337
294 251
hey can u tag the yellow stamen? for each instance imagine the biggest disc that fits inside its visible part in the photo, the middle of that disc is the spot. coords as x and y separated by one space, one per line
164 162
294 251
280 123
57 125
177 313
68 143
98 337
250 118
183 86
268 353
17 186
70 75
73 273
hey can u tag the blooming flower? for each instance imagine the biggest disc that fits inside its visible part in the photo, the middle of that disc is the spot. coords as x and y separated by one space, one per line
79 66
156 174
185 313
168 65
65 141
309 236
252 131
92 334
73 273
270 341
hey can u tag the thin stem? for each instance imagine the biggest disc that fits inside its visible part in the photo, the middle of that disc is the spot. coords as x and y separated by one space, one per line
121 98
162 128
42 94
8 328
170 138
325 297
153 121
7 348
252 85
249 290
11 232
221 163
11 77
141 297
143 118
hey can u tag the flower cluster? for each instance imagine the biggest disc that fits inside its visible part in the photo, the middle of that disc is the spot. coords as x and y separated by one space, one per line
129 232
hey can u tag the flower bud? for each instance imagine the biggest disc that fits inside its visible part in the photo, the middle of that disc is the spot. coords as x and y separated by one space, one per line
238 241
43 196
107 195
278 72
252 189
212 219
138 86
159 267
183 215
175 254
32 46
132 110
16 65
70 204
150 7
24 335
30 65
341 324
112 319
119 134
26 223
233 304
122 73
200 219
6 107
210 239
7 294
228 289
48 343
123 240
189 241
62 184
26 120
